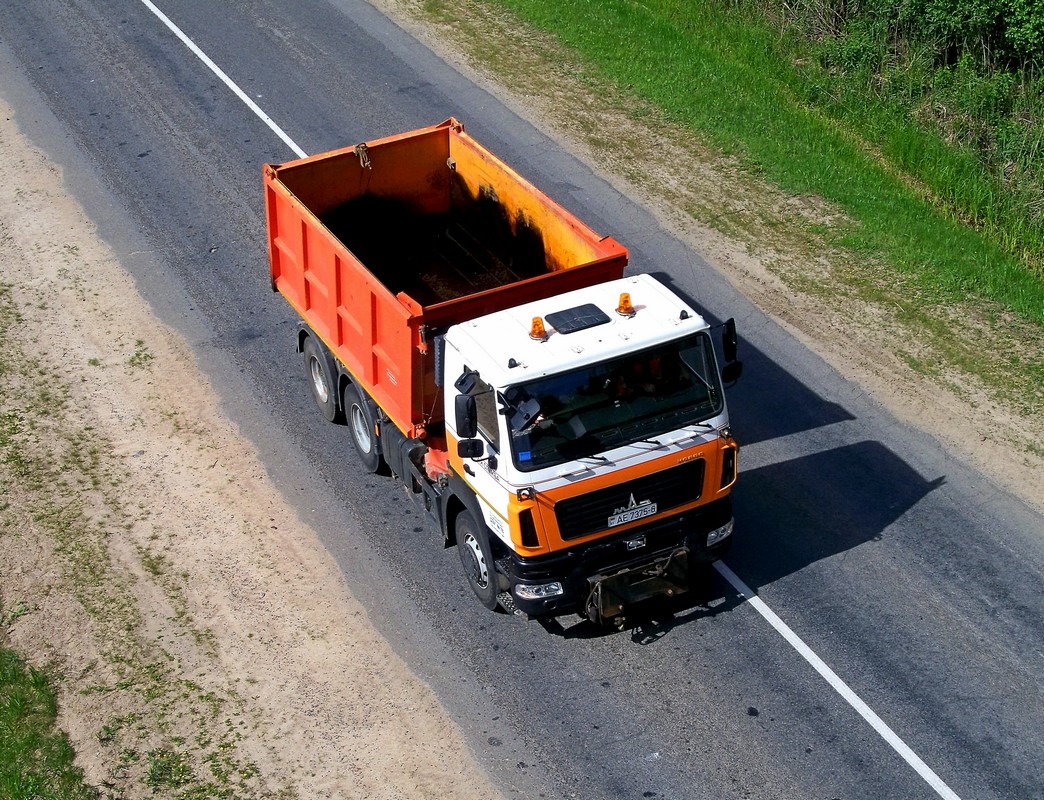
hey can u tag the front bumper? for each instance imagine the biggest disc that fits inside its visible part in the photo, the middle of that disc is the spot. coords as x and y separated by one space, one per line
600 579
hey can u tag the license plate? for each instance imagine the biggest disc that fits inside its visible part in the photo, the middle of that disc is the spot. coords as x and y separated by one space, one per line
632 514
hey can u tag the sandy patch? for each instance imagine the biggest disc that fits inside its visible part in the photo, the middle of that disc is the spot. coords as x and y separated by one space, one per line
205 638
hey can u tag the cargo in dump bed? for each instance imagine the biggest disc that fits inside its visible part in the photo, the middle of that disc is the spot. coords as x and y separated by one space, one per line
382 246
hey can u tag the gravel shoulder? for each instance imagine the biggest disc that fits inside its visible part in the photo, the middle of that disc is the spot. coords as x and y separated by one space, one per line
204 641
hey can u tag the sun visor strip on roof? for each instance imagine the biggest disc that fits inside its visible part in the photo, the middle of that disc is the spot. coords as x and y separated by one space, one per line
576 319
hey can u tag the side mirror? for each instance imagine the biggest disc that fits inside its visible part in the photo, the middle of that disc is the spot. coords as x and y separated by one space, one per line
731 372
728 339
470 448
466 416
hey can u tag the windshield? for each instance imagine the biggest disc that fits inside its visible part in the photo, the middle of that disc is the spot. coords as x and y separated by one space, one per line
633 398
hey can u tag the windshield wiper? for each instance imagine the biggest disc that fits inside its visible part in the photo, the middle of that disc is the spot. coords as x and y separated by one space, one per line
685 437
710 389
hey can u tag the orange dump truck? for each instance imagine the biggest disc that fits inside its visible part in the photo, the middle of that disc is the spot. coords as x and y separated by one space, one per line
563 425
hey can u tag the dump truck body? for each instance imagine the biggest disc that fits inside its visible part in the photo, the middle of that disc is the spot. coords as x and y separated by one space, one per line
377 246
563 425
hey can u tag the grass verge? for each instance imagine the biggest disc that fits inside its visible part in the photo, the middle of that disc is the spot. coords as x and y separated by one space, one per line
734 80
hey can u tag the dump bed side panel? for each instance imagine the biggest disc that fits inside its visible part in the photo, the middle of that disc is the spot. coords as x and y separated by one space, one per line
369 330
549 251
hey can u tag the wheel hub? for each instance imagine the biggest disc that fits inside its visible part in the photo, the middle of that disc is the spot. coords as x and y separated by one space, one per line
319 380
361 429
477 567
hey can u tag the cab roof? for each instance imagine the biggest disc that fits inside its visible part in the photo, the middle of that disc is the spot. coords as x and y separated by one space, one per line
583 326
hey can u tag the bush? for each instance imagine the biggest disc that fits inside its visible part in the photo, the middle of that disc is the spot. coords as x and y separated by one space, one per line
998 34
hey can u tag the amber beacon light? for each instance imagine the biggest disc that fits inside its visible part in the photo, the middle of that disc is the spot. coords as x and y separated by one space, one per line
537 329
626 308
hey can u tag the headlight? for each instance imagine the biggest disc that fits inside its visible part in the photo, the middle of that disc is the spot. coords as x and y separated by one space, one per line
718 534
538 591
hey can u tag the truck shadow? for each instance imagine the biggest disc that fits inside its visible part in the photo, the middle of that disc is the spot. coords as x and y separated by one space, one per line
792 408
789 515
797 512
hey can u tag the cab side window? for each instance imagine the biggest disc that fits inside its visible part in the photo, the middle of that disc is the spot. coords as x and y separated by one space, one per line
486 406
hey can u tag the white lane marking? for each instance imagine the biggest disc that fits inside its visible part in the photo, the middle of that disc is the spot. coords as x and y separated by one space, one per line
838 685
781 627
224 78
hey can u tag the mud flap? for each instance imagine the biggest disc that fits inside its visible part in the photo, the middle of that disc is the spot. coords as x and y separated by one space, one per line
610 595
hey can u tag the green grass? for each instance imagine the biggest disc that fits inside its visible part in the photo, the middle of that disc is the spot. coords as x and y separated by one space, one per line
36 760
168 768
141 355
742 86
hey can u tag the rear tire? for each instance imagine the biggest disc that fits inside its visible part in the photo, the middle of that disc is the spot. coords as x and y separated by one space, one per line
320 379
362 425
477 559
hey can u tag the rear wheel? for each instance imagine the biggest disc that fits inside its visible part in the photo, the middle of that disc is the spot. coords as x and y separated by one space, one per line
477 559
320 381
363 427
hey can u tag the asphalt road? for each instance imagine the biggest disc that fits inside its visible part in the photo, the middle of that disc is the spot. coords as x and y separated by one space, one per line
911 576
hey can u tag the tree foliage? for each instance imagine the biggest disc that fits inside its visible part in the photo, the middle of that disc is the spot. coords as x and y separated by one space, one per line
999 34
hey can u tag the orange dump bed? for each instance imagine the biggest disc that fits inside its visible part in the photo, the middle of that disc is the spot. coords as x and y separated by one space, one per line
382 246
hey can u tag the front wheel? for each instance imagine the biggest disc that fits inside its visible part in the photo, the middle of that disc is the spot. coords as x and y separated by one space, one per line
477 559
363 428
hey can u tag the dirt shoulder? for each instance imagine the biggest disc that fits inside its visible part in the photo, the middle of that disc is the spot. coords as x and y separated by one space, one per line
207 645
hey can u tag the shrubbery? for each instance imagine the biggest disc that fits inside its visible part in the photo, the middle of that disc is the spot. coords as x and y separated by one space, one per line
999 34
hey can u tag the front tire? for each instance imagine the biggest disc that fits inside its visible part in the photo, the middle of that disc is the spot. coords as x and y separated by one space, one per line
477 559
363 427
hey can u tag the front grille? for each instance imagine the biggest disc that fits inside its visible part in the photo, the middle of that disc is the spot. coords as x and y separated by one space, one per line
669 488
